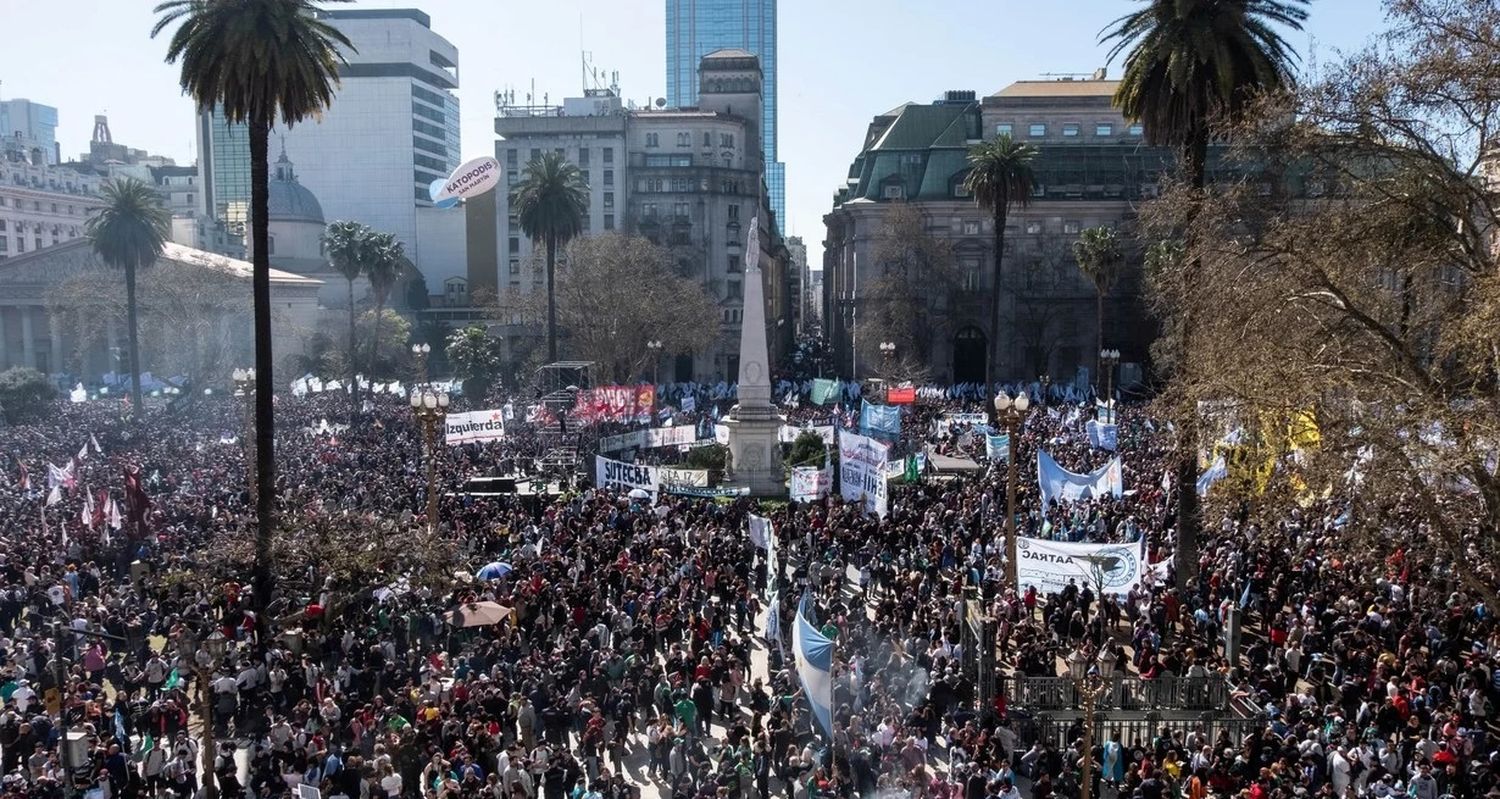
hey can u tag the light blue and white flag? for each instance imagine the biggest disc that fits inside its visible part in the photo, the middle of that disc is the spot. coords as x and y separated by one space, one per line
997 448
814 655
879 419
1217 471
1062 485
1104 411
689 403
1103 436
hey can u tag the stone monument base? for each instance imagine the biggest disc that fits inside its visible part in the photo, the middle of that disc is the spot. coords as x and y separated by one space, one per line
755 456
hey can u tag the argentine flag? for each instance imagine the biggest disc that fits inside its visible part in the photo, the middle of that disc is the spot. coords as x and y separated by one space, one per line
814 655
1216 472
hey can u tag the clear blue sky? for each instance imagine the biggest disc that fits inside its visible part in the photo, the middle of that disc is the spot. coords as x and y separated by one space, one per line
842 61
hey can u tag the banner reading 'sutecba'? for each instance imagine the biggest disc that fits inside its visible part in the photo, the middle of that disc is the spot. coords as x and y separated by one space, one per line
621 476
1049 565
465 428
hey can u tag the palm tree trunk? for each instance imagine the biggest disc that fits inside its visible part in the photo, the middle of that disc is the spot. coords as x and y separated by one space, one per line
374 338
551 299
265 421
135 342
992 366
1195 157
353 360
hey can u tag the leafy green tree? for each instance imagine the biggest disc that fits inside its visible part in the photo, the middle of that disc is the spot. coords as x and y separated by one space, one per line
389 334
1099 259
1000 177
128 233
476 358
348 247
714 457
550 201
258 61
1192 62
808 449
25 394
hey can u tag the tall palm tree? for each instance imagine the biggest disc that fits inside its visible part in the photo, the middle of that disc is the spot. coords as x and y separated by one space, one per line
347 246
551 200
386 254
1192 62
999 177
259 61
1097 251
129 233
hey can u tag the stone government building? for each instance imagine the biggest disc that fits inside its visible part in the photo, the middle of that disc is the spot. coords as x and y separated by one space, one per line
1092 169
62 312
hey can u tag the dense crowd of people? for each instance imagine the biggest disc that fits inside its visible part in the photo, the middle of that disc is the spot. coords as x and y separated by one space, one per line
629 651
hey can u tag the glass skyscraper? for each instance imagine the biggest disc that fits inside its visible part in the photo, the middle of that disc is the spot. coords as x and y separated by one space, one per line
696 28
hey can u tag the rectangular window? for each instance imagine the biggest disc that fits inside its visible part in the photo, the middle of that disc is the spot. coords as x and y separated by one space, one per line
54 208
893 192
609 155
511 157
515 265
2 227
652 140
536 152
1033 228
1137 129
1004 129
1103 129
583 156
708 139
20 244
609 200
515 245
734 213
680 210
736 290
4 244
971 228
1071 226
1070 129
648 210
684 139
609 221
512 177
609 174
734 263
583 175
1037 129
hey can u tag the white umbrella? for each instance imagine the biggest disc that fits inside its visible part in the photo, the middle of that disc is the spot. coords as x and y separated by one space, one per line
477 614
639 493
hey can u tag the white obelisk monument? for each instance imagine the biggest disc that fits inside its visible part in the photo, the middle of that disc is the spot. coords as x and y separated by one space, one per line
753 431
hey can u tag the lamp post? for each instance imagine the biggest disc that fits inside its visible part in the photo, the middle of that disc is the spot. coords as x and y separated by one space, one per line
431 409
654 346
244 387
887 355
1088 682
203 660
1108 360
1010 413
421 351
1046 381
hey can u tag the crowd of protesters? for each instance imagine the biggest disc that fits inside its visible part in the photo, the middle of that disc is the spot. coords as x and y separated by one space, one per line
633 656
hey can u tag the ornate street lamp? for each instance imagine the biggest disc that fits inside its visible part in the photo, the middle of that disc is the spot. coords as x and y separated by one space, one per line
1010 413
431 409
1108 360
654 346
204 659
421 351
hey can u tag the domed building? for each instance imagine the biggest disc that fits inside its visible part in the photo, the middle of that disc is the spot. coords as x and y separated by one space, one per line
295 234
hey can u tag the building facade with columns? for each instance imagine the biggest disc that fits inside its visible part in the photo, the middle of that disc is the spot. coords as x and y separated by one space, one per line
62 312
1092 168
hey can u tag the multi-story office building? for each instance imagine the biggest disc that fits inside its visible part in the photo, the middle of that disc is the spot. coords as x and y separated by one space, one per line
696 28
1092 168
33 125
40 204
392 129
690 180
